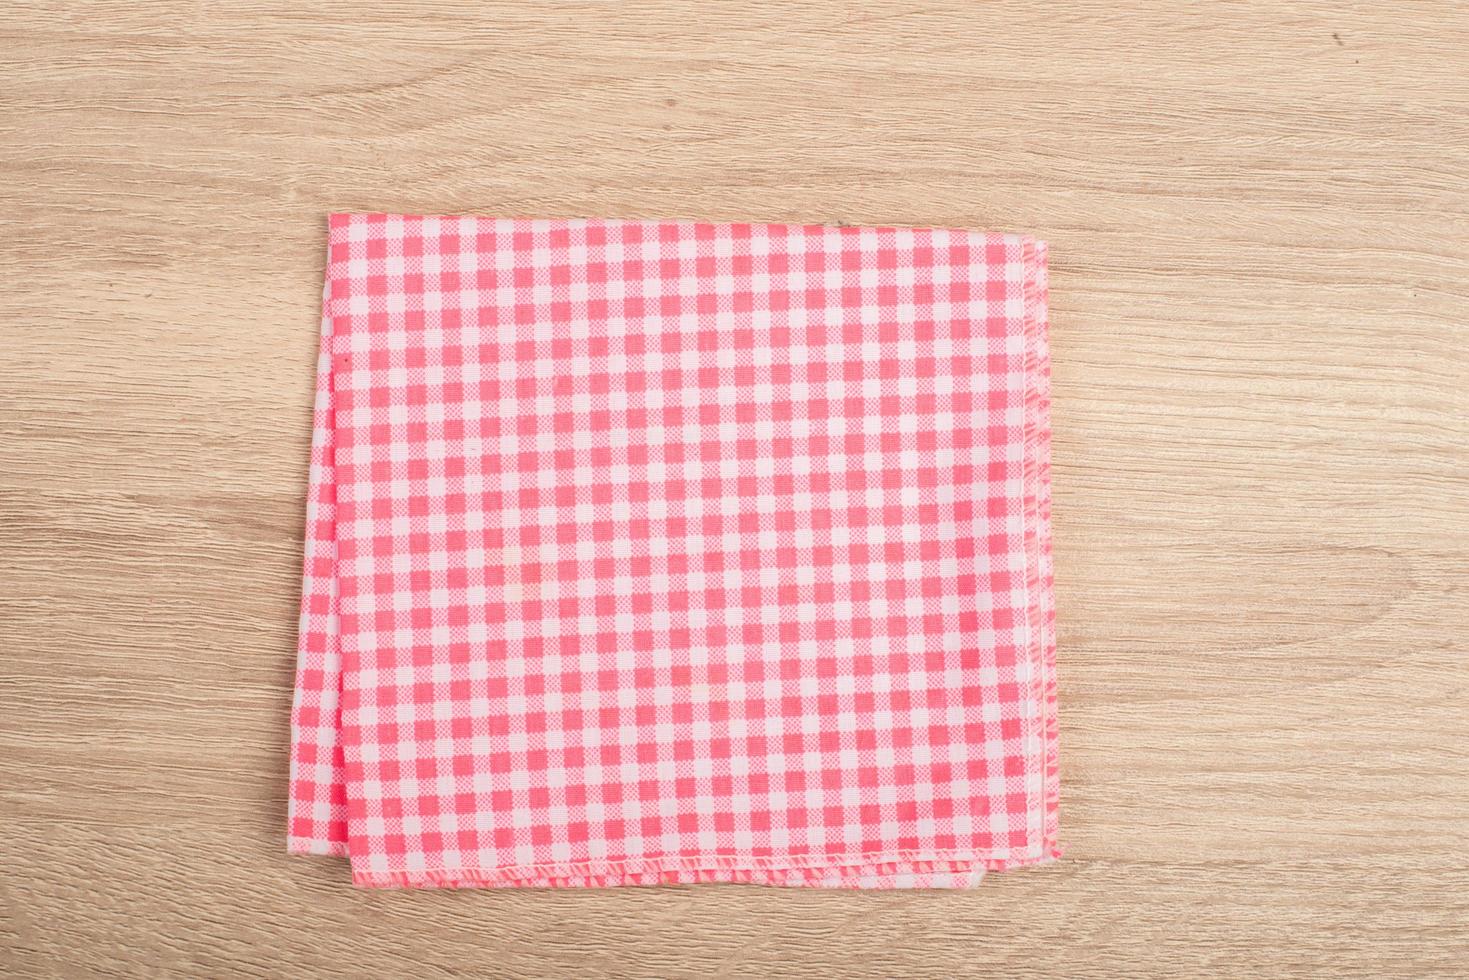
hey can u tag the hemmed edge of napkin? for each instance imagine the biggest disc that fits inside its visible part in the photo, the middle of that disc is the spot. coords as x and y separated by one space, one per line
1042 606
882 870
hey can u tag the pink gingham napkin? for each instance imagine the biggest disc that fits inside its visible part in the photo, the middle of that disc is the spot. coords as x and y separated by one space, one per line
645 552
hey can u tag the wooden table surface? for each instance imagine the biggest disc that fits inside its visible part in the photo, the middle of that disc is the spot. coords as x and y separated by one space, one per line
1259 223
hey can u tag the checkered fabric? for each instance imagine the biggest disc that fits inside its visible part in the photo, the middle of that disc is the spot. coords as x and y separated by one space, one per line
646 552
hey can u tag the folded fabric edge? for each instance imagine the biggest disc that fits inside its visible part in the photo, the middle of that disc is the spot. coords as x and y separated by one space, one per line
316 799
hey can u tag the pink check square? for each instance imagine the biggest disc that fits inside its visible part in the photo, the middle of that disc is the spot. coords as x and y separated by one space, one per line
659 552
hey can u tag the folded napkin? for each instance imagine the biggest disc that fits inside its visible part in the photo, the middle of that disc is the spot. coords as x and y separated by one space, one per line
650 552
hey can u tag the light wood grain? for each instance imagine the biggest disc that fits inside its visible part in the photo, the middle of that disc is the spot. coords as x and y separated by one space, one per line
1259 218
